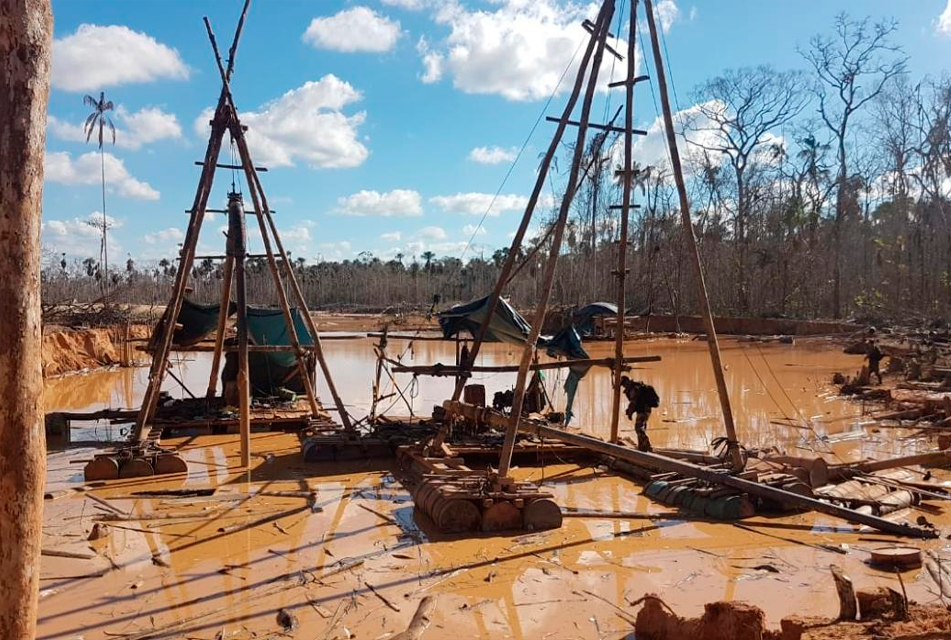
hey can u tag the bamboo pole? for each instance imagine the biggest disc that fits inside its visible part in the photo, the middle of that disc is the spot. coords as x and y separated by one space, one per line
227 277
733 446
625 210
205 182
601 29
543 169
237 247
659 462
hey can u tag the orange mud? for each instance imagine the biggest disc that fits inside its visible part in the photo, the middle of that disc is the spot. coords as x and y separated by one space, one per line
70 350
232 561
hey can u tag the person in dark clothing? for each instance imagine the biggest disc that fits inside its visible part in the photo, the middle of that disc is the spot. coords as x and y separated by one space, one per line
874 356
641 399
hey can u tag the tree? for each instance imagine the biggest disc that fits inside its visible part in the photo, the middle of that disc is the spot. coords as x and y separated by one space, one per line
26 42
854 65
99 120
735 119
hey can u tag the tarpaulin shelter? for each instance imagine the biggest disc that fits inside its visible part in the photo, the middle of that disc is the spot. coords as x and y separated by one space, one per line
583 318
507 325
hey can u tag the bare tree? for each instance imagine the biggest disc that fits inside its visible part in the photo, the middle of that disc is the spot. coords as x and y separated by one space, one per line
735 120
26 39
852 66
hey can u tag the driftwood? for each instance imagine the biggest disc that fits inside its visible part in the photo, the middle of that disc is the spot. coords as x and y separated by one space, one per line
420 622
848 609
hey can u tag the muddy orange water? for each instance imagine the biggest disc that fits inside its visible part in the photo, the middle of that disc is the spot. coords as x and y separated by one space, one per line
224 566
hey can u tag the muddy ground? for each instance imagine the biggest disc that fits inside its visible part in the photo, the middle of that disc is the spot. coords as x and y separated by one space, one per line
226 565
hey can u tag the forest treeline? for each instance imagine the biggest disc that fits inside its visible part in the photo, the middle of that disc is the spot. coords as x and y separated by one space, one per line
817 192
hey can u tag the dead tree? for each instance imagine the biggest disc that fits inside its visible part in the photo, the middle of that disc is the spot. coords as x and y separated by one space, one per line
734 119
26 38
852 67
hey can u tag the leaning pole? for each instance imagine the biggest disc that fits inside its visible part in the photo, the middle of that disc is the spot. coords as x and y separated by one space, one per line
26 38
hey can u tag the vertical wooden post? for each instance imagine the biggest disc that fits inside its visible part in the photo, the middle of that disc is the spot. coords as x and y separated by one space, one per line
529 212
601 31
226 279
627 177
732 445
238 249
26 43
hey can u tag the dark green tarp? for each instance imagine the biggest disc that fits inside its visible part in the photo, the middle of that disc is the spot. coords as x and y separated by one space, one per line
508 325
197 322
583 318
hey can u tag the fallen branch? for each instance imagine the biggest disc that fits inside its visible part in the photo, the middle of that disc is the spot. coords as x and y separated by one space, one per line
420 622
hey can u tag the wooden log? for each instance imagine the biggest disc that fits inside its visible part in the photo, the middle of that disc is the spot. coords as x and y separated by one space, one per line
848 609
930 459
226 282
733 446
450 370
237 248
662 463
420 622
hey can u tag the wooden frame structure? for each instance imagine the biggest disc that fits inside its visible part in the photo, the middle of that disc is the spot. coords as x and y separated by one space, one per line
226 121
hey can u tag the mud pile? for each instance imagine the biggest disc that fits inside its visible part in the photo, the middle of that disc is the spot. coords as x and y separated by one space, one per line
67 350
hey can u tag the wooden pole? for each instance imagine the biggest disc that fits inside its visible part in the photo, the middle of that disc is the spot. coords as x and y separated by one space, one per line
543 169
160 358
238 248
443 370
484 415
26 44
226 282
627 178
601 31
733 446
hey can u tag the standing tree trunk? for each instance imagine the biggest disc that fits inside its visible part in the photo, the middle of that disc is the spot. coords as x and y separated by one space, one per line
26 35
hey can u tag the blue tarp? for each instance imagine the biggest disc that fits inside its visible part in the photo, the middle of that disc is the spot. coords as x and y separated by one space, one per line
508 325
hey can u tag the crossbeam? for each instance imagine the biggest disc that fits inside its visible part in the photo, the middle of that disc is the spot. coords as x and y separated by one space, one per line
450 370
600 127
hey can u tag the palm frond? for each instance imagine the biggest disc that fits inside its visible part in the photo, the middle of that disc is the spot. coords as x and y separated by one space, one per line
90 121
100 132
92 125
108 106
89 100
112 128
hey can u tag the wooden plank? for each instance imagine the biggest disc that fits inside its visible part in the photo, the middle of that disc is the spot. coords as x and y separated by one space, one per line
450 370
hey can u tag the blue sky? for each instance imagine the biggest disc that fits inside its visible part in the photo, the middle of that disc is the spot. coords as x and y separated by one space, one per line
387 124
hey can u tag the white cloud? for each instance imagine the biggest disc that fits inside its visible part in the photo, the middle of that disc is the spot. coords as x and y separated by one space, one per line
471 230
493 155
432 233
85 170
133 128
395 203
335 250
411 5
353 30
693 13
393 236
667 14
432 62
518 51
79 236
476 204
305 124
96 57
943 24
170 236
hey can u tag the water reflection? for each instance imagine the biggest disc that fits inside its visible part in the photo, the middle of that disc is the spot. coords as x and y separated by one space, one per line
769 383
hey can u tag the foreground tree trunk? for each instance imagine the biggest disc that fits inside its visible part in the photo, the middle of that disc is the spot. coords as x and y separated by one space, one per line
26 34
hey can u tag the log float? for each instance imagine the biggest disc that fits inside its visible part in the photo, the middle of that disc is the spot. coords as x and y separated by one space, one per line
663 463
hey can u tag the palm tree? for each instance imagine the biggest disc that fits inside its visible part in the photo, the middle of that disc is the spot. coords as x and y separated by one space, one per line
98 119
428 257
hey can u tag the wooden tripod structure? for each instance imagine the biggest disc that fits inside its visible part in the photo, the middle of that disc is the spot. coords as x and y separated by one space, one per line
226 121
589 67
